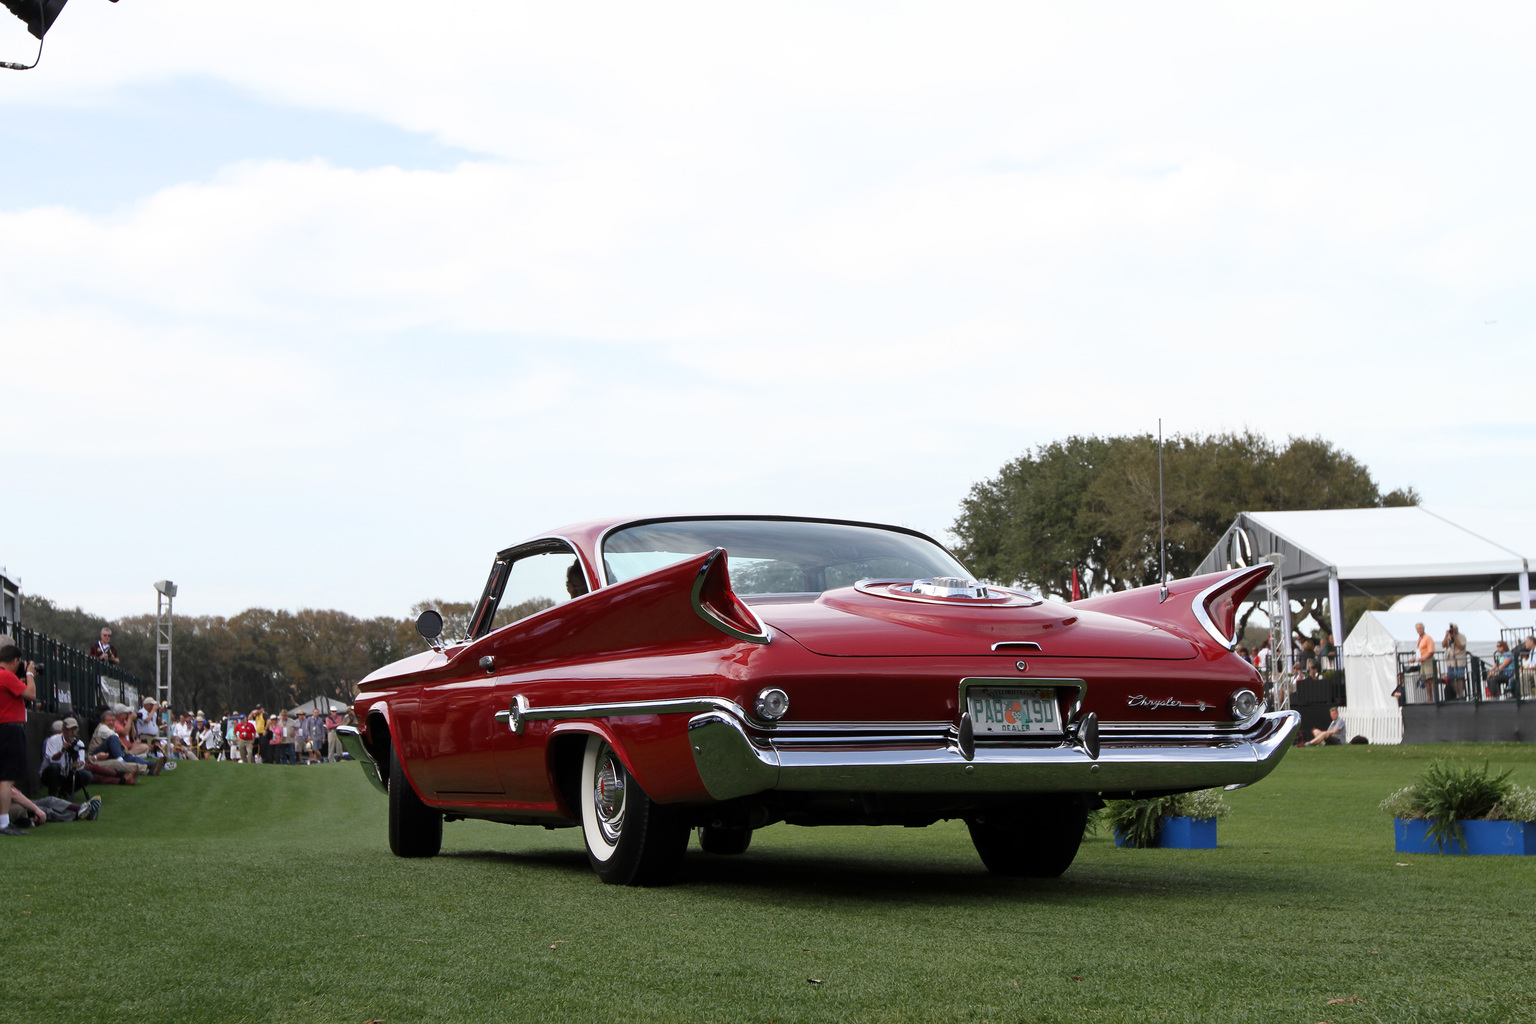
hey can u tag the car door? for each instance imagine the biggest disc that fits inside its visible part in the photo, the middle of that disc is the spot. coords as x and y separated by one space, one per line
529 580
467 752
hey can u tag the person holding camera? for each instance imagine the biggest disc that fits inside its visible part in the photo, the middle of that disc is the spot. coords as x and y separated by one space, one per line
14 695
102 650
64 769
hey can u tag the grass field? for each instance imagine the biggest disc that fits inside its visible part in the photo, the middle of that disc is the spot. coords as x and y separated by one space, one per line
230 893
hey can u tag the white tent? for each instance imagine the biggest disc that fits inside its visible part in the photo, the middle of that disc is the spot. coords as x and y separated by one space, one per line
325 705
1336 553
1370 661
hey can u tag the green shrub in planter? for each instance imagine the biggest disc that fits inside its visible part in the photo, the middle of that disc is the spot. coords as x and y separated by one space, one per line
1140 821
1446 794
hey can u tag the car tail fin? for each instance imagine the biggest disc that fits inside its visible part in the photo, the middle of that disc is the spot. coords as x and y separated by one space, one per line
1216 606
1210 600
718 605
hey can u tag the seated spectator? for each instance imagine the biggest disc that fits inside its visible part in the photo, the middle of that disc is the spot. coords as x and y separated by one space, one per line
125 726
113 773
107 741
51 808
1329 652
181 737
1502 673
64 760
1528 668
1334 734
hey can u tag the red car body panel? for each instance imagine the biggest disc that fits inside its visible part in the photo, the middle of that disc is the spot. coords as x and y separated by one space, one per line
850 655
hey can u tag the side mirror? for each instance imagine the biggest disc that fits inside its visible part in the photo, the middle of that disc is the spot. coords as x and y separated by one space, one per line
430 624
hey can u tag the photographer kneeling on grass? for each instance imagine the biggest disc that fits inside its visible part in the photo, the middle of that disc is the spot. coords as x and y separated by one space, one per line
14 695
64 768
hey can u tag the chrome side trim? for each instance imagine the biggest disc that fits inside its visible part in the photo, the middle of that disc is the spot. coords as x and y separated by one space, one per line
520 712
352 742
516 715
733 763
809 733
762 636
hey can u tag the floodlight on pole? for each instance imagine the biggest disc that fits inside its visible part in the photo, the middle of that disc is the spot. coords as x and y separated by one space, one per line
165 592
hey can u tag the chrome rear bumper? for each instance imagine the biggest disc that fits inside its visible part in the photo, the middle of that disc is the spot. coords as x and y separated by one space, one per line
352 743
735 761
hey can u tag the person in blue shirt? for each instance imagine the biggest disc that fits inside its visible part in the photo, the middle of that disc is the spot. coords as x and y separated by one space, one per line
1503 671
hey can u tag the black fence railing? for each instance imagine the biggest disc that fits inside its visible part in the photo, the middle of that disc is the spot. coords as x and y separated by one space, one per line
1525 664
1475 681
68 680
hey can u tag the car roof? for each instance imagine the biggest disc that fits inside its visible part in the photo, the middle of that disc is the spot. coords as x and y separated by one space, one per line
587 535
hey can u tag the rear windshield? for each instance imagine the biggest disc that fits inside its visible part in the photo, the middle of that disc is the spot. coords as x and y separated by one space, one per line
780 557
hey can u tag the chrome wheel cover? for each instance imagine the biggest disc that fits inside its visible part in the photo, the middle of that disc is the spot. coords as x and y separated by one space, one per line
608 794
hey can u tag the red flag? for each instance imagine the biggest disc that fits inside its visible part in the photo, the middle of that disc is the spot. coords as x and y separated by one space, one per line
1076 593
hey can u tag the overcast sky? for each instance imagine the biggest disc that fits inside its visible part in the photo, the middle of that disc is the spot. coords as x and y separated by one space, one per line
318 305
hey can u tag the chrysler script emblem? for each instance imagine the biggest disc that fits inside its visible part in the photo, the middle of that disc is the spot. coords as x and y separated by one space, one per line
1154 703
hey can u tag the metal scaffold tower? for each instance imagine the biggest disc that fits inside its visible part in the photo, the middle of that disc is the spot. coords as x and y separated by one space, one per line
1279 638
165 592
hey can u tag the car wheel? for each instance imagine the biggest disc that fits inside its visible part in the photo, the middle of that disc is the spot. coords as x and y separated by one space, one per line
415 830
723 839
631 840
1037 839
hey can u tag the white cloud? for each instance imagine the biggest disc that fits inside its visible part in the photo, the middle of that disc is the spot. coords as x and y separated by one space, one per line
832 259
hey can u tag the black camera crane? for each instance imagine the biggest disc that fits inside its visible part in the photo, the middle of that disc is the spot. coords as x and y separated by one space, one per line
39 16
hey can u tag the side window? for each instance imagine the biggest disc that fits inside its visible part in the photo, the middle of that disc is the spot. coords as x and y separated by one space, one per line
538 581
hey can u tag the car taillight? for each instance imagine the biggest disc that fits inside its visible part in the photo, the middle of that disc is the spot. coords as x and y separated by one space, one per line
1243 705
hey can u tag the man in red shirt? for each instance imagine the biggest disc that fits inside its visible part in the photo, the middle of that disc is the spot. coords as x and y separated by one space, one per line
13 734
245 736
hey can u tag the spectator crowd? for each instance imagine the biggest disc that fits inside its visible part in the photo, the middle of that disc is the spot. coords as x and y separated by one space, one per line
120 745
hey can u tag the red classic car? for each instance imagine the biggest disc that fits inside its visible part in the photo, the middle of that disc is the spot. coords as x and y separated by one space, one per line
647 678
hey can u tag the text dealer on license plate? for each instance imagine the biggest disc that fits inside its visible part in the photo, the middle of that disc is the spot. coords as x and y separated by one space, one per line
1013 711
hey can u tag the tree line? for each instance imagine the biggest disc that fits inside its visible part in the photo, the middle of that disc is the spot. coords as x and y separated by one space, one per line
260 656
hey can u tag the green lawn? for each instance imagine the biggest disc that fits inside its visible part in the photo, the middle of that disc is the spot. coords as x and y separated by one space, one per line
230 893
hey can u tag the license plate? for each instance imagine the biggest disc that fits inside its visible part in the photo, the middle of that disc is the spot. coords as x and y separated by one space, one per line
1013 712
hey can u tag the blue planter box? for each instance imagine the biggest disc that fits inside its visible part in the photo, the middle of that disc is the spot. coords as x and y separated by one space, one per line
1484 838
1182 834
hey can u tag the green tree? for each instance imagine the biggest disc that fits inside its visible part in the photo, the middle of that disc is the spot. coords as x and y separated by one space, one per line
1091 503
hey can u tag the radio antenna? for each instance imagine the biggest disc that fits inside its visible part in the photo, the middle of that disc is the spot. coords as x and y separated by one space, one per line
1162 539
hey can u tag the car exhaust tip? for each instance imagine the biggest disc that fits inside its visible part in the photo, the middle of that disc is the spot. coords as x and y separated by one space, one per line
966 740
